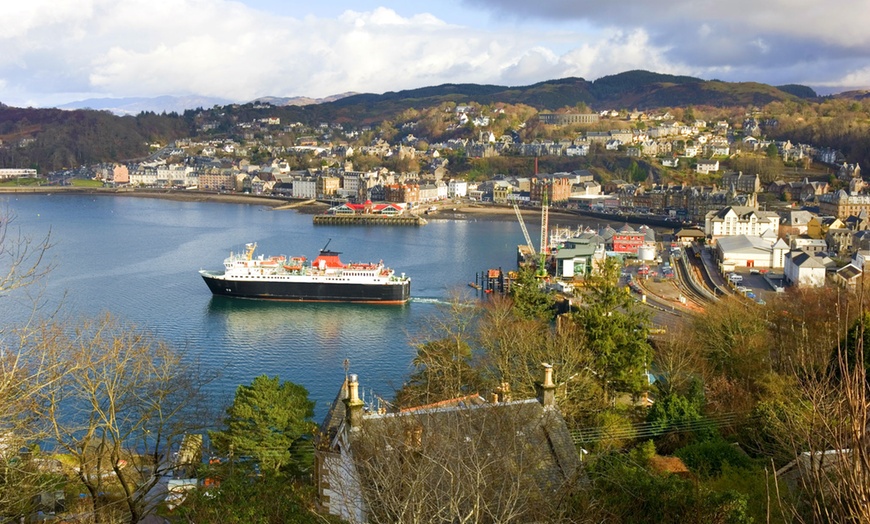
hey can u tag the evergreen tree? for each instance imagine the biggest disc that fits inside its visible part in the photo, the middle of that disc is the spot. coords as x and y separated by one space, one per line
271 421
615 331
530 300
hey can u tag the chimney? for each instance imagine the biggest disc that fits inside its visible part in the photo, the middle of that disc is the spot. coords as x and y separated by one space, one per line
353 406
504 392
547 389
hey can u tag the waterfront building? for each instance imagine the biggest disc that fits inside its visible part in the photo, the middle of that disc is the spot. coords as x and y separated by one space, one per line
10 173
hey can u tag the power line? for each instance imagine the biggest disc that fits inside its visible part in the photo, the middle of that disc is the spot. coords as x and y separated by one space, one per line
644 430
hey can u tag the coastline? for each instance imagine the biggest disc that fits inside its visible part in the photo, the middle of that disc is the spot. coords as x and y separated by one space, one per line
445 211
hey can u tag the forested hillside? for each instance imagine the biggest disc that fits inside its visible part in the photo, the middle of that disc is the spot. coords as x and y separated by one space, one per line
51 139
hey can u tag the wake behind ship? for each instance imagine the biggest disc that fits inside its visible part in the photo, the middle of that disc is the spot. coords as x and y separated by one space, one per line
326 279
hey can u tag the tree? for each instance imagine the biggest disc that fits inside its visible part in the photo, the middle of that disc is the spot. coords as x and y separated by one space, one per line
117 406
242 497
271 421
735 343
530 299
444 362
824 423
21 257
22 366
513 346
615 331
624 488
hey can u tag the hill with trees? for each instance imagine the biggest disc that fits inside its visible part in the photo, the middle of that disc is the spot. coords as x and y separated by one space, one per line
51 139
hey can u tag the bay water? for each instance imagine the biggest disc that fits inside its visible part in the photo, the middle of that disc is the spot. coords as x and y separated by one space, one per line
137 258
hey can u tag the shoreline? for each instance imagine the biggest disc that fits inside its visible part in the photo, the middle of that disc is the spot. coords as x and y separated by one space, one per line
445 211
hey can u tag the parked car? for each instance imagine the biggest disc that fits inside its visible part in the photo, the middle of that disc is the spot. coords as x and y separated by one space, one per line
735 278
754 271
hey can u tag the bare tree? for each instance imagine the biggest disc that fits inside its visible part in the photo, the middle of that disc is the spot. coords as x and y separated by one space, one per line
22 258
513 349
22 264
445 353
826 429
119 404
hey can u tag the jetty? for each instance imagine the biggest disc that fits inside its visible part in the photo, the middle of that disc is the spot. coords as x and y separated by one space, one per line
369 219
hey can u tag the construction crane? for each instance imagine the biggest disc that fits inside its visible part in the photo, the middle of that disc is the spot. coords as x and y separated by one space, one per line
545 226
545 223
525 231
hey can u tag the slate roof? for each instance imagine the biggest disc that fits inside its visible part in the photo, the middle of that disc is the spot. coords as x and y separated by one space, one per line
522 438
805 260
543 432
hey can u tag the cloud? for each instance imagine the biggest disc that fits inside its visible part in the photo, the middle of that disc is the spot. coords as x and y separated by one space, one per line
225 49
741 36
62 51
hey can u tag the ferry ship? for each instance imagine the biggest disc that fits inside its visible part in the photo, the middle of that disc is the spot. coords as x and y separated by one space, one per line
325 279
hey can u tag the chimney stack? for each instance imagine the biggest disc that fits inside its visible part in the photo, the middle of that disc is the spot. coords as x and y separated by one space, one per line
547 389
504 392
353 404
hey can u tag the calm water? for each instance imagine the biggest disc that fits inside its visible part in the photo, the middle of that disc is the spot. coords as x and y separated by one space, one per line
138 259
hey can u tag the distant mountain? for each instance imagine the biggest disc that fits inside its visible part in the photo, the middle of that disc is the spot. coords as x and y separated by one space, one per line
853 95
630 90
136 105
302 100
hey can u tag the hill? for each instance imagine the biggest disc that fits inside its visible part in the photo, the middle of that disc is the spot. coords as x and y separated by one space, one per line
52 139
136 105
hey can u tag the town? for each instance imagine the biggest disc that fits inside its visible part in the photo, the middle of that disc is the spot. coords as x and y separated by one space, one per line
701 340
807 222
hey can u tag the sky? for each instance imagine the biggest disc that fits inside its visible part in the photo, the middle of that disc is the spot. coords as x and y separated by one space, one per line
58 51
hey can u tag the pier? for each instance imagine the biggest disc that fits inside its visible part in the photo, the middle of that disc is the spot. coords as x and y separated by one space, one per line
492 280
379 220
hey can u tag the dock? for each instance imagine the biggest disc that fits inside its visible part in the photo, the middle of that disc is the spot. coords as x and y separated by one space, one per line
378 220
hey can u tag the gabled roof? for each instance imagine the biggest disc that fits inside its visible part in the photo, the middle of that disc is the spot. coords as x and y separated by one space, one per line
690 232
780 244
802 259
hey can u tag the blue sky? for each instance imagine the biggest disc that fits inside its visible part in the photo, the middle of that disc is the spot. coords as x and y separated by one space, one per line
59 51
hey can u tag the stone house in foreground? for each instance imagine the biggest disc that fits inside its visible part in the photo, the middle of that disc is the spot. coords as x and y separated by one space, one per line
514 457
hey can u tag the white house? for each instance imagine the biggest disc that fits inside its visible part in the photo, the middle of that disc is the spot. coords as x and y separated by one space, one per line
577 150
305 188
802 269
457 189
707 166
740 220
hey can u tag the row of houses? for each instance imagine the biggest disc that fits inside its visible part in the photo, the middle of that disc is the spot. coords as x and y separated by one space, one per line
804 245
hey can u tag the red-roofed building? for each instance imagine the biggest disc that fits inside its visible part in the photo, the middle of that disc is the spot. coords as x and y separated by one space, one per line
368 208
627 240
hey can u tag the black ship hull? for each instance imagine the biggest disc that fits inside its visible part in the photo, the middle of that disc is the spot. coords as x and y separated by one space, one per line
393 293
